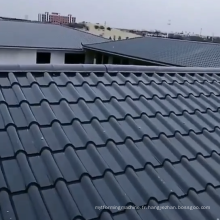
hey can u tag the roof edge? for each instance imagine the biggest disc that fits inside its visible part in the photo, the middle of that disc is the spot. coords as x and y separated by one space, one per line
112 41
77 50
167 69
164 38
53 68
103 68
127 56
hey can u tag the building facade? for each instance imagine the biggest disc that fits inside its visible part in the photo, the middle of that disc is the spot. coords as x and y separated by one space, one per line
36 56
56 18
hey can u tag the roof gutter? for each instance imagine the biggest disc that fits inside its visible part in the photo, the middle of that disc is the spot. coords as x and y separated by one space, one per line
129 57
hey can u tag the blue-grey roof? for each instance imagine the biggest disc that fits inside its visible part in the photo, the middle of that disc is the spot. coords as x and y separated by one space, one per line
77 141
40 35
167 51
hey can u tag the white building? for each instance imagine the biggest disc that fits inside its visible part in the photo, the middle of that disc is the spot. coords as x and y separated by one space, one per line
108 32
32 42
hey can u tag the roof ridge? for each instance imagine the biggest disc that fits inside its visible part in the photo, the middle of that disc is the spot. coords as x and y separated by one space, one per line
104 67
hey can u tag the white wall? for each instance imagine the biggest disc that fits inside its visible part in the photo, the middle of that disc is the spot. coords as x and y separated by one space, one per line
57 57
17 56
20 56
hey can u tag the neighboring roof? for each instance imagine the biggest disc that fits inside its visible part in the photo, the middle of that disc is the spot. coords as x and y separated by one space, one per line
77 137
164 50
40 35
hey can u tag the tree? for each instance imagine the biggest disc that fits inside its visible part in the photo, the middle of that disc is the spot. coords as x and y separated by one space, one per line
110 38
96 27
119 38
108 28
114 37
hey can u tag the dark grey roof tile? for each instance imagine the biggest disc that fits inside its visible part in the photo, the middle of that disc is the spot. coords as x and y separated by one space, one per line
93 79
57 201
5 140
55 137
40 171
31 95
18 116
216 77
183 212
9 96
76 134
127 215
3 184
70 165
24 207
13 176
197 200
131 154
27 138
35 94
45 114
14 139
164 50
100 139
42 35
110 191
156 178
161 181
86 197
93 162
7 208
132 184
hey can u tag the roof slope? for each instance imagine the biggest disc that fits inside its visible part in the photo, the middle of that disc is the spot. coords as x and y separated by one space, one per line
164 50
76 140
39 35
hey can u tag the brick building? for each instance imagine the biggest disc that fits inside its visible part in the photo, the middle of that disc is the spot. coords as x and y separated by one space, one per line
56 18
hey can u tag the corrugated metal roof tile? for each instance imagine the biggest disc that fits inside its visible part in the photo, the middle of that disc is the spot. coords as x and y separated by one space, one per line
75 141
163 50
41 35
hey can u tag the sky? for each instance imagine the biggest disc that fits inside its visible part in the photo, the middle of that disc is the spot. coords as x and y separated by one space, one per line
192 16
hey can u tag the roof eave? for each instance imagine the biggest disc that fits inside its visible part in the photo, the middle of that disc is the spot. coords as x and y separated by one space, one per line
77 50
129 57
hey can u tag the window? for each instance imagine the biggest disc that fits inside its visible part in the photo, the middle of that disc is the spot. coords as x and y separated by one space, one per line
116 60
72 58
43 58
105 59
98 58
140 63
125 61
